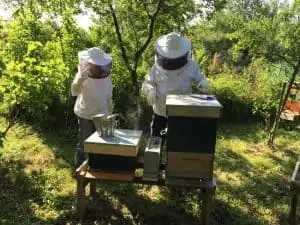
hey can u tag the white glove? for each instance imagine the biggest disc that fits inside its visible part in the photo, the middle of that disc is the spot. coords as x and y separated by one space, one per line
83 69
203 86
150 92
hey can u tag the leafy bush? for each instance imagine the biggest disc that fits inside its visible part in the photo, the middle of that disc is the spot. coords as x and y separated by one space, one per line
233 93
30 86
267 89
254 94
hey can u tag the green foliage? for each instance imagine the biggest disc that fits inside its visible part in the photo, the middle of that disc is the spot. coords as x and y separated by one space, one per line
2 66
234 94
276 38
39 74
38 57
253 94
267 88
41 60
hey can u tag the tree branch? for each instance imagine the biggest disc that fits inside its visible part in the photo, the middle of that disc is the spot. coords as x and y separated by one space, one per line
273 54
146 10
283 58
10 125
151 28
12 120
121 43
134 32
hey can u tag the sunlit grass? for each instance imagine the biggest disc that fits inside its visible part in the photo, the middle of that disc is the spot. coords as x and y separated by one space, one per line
253 182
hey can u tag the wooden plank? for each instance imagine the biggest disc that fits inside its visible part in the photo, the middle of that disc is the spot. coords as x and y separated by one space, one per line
207 205
177 182
190 174
289 116
162 181
295 174
93 186
293 210
190 164
295 187
80 198
107 175
295 179
195 183
83 166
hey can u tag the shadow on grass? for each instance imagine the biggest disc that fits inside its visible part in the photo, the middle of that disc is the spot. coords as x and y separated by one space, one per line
18 193
22 195
63 143
144 210
127 204
99 211
257 189
123 204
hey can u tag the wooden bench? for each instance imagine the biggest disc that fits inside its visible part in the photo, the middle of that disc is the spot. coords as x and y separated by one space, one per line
291 108
84 176
290 115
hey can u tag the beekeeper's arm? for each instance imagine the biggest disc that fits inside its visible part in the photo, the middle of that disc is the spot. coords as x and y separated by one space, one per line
149 88
201 81
78 81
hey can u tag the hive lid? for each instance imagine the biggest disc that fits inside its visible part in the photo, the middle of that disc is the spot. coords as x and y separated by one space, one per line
193 105
125 143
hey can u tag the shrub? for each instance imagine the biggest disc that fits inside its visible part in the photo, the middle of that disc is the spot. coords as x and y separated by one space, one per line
267 89
233 93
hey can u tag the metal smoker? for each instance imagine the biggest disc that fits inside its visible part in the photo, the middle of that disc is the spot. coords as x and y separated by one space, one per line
105 124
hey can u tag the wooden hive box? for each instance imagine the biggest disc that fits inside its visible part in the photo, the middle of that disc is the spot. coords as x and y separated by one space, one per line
191 136
116 153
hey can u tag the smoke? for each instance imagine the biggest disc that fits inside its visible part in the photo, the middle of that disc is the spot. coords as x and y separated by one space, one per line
133 113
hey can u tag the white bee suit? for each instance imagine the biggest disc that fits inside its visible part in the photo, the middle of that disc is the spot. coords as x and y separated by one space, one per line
159 83
94 96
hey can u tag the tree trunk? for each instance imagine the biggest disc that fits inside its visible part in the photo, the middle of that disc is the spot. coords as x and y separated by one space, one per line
283 100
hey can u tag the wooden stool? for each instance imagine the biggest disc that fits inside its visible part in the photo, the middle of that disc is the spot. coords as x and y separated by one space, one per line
85 176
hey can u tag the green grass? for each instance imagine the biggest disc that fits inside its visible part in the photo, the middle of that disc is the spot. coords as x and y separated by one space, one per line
37 187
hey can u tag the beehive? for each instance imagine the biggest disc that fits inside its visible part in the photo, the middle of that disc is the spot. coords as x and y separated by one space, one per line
191 136
116 153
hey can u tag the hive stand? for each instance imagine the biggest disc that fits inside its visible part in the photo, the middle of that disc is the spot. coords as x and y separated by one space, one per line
84 175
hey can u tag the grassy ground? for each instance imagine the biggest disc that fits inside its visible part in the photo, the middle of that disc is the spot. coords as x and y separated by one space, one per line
37 187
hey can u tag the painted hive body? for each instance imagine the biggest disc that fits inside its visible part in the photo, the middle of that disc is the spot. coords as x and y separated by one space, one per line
191 136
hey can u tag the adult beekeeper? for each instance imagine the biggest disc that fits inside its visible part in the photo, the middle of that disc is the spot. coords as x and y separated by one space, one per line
172 73
93 87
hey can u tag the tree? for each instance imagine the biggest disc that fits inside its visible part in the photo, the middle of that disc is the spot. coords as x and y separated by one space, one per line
41 54
45 33
135 24
126 29
277 39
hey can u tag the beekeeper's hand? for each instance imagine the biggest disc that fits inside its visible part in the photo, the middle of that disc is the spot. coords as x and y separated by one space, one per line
203 86
83 69
80 77
150 91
